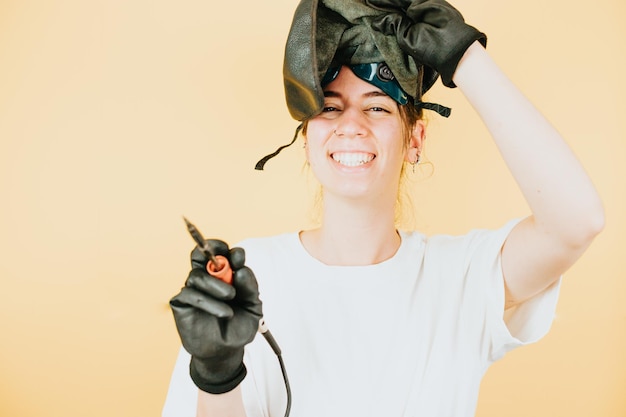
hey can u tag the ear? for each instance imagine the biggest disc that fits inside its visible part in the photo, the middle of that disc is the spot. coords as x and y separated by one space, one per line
418 137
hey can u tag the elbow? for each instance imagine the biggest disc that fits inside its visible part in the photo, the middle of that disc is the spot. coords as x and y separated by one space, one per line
588 228
596 223
577 232
597 219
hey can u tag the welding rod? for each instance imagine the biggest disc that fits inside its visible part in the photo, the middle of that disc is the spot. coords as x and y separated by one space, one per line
218 266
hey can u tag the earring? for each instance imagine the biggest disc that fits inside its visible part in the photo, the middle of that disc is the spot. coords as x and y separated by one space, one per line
418 157
414 158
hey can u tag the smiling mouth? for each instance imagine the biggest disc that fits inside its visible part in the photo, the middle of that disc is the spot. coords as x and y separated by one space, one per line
352 159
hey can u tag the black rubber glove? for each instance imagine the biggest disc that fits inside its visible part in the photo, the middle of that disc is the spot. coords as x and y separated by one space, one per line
216 320
432 31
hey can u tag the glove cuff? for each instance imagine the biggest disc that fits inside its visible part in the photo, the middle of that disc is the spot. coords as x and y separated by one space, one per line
200 379
451 63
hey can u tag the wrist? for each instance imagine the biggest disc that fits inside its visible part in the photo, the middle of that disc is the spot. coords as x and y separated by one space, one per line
213 381
470 38
469 62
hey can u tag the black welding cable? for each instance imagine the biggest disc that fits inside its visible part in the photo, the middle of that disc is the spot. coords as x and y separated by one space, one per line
265 331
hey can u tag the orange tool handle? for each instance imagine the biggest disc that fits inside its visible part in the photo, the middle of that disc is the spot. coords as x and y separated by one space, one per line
220 270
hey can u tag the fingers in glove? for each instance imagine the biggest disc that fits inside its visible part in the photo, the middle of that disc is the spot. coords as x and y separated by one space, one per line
237 258
247 288
190 297
411 38
217 247
434 12
389 24
200 280
389 4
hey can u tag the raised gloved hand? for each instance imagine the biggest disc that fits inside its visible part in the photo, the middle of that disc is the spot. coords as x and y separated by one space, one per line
431 31
216 320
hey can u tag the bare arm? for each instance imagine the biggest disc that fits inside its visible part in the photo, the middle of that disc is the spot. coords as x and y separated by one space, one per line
566 210
229 404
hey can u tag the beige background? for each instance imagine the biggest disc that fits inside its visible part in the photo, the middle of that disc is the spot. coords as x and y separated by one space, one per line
118 117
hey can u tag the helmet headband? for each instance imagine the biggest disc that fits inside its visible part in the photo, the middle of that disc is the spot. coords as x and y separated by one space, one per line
378 74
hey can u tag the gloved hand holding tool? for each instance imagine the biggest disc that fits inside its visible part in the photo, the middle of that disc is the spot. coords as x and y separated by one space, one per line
432 31
216 320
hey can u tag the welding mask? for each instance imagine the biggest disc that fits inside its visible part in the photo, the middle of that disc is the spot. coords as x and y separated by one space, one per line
326 34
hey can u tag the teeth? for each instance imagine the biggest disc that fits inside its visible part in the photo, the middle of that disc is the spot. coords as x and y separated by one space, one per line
352 159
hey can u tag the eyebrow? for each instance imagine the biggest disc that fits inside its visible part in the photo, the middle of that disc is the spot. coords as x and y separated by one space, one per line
331 93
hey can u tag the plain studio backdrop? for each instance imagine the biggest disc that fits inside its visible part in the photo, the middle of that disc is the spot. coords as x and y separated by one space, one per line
119 117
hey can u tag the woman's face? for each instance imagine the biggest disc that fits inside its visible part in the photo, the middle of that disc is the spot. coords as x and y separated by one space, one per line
356 146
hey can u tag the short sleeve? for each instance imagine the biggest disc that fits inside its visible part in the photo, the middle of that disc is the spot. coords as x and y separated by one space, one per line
182 395
524 323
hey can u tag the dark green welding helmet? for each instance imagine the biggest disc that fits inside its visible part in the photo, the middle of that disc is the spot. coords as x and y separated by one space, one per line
328 34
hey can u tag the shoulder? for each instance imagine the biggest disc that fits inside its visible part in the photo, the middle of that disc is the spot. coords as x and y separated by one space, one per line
473 243
268 253
265 246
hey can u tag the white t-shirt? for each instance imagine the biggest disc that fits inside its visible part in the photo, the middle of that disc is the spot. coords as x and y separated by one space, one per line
411 336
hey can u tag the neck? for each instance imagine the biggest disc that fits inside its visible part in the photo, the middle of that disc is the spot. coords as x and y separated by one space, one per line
354 233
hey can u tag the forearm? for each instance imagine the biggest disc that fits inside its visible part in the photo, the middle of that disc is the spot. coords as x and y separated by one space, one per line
561 196
229 404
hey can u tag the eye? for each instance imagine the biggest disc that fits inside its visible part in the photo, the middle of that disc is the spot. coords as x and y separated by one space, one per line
330 111
378 110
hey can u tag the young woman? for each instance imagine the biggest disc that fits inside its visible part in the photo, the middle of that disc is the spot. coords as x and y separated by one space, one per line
371 320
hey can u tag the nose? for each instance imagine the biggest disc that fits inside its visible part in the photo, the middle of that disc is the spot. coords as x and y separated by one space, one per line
350 124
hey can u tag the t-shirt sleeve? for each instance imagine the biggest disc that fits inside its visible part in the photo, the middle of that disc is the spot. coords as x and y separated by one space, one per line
523 324
182 395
